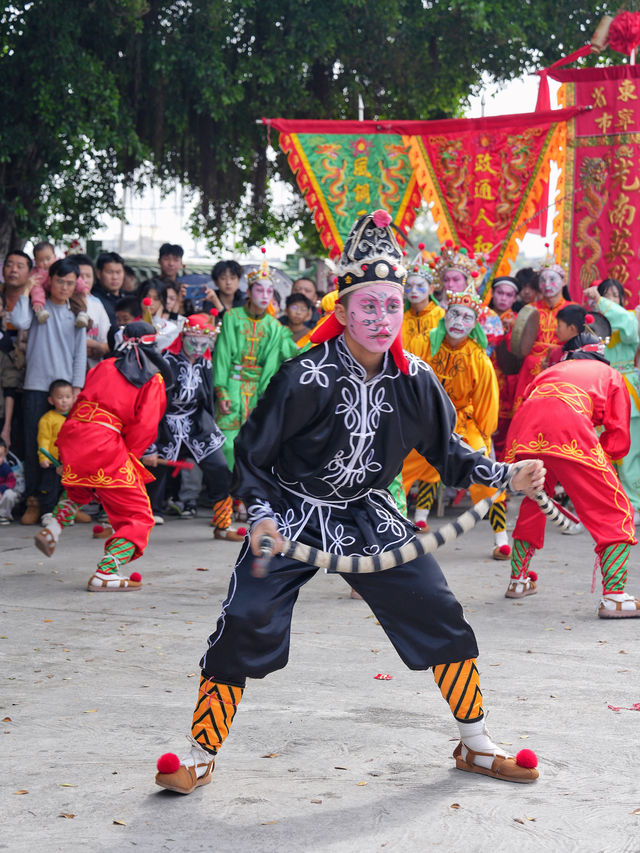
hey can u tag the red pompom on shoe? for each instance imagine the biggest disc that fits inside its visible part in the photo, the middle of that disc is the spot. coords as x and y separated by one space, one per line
525 758
505 549
421 524
136 577
242 531
169 762
533 576
98 528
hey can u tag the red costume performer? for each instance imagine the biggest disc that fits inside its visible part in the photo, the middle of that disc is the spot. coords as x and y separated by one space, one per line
113 421
557 423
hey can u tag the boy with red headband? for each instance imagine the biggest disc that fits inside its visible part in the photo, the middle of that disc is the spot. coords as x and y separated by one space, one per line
312 464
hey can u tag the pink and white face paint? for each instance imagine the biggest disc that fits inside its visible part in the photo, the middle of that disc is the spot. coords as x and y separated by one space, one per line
504 295
551 283
459 321
374 316
416 289
262 293
454 281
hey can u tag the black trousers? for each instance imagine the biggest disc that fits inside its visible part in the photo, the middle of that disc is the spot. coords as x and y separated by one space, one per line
50 489
215 473
413 603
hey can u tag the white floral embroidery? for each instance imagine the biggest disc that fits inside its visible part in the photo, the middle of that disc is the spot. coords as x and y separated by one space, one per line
316 371
493 474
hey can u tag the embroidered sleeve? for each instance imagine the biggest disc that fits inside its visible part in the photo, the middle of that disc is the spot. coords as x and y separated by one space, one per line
258 511
496 475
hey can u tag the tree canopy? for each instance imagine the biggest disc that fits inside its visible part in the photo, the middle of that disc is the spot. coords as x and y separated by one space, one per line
96 93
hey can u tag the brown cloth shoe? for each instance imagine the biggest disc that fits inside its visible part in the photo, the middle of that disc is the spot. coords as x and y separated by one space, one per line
505 768
45 542
185 780
31 514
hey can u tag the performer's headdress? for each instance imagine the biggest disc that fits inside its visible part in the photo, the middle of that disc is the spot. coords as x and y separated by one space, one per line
371 255
420 267
137 356
263 271
549 263
199 325
454 258
585 346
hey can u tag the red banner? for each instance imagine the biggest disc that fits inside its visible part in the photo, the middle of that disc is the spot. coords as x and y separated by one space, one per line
600 231
485 177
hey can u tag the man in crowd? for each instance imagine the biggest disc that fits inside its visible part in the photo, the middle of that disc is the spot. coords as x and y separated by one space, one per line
110 274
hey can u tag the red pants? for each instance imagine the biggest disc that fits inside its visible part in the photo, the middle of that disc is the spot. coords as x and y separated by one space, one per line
128 509
598 497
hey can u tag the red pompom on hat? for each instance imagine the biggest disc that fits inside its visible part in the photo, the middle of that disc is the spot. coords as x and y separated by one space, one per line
98 528
146 301
421 246
136 577
381 218
169 762
263 250
589 318
533 576
214 312
527 758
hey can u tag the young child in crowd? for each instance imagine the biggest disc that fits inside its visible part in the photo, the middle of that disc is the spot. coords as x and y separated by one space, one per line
298 312
60 399
128 310
8 496
44 256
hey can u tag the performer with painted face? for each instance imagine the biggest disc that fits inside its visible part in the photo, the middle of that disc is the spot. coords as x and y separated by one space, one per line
423 313
575 418
552 279
504 291
189 428
250 348
312 463
455 351
113 421
455 271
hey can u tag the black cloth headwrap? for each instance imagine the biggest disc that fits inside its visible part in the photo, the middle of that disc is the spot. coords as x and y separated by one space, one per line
139 360
574 348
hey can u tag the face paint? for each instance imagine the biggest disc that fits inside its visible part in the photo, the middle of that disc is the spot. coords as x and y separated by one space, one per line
262 293
195 345
454 281
550 283
504 295
416 289
374 316
459 321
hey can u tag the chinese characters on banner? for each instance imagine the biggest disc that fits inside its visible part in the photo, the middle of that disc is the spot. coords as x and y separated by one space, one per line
601 222
343 175
485 177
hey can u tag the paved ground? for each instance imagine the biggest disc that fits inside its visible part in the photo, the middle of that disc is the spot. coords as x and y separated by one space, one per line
322 757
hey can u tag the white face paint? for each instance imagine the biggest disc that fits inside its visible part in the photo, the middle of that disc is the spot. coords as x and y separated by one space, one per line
416 289
454 281
459 321
195 345
551 283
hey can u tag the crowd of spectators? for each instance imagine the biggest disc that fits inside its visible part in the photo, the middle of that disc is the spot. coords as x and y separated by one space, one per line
59 317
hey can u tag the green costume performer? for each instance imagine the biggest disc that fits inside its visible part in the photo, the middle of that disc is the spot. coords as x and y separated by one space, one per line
621 351
250 348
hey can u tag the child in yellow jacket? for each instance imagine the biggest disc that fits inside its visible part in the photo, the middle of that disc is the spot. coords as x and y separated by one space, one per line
49 425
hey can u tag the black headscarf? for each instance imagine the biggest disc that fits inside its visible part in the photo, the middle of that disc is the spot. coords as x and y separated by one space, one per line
137 358
584 346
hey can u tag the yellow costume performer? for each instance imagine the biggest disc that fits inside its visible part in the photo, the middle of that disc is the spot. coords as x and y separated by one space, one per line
468 377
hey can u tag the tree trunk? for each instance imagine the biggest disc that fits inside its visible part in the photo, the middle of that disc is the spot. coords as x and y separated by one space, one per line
9 237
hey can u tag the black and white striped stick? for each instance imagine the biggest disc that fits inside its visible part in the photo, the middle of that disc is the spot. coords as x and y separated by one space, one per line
427 544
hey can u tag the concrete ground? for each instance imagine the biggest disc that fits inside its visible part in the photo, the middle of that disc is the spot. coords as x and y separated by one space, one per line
322 756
